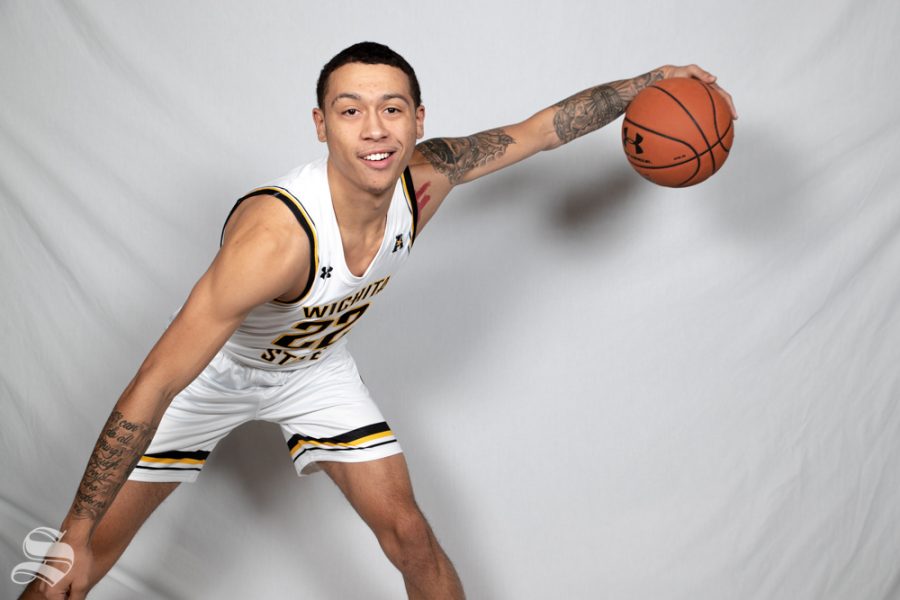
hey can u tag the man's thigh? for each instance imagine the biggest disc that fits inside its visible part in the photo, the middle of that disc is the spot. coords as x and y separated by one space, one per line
134 503
379 490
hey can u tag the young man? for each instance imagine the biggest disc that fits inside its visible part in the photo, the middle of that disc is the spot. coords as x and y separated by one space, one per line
262 333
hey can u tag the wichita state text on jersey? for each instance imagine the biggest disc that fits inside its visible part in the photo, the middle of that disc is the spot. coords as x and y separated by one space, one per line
289 335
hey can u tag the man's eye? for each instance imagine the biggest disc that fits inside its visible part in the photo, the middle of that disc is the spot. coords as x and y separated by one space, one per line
392 110
351 111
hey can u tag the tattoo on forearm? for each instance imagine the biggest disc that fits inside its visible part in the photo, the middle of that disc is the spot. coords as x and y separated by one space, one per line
117 451
454 157
598 106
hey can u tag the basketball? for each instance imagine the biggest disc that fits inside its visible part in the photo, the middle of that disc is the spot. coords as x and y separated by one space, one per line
677 132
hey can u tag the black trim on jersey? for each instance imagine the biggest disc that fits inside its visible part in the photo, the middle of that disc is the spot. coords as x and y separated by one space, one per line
201 455
301 218
344 438
168 468
196 454
343 449
407 177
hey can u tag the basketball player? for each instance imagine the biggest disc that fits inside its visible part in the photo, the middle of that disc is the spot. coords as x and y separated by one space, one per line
262 334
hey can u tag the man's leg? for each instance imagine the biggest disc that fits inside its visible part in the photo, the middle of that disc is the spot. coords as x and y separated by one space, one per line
381 492
133 504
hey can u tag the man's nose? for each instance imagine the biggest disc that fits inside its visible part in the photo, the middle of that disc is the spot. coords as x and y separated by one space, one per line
374 128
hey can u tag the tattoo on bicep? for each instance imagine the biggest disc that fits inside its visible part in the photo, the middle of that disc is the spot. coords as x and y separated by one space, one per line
118 449
422 197
455 157
598 106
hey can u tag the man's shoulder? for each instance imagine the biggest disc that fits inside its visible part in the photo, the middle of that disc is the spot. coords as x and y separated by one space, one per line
263 214
299 190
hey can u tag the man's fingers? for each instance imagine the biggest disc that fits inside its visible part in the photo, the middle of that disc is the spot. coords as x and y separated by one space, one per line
694 71
727 97
64 589
78 590
56 592
706 77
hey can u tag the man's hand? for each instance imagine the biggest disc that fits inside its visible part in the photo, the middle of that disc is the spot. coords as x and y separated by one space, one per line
671 71
74 586
439 164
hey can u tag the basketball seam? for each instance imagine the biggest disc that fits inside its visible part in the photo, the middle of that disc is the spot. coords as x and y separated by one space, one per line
712 102
668 137
696 169
718 138
718 142
696 124
721 139
674 139
716 122
697 155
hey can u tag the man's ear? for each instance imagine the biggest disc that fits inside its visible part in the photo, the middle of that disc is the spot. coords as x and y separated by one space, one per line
420 122
319 120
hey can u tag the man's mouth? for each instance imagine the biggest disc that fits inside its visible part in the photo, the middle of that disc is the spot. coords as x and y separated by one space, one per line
376 156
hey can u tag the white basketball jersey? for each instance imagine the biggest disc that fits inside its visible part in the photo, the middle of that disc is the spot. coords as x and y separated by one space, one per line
289 335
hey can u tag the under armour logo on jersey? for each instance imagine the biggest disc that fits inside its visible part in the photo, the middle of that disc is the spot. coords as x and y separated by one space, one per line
638 138
326 272
398 243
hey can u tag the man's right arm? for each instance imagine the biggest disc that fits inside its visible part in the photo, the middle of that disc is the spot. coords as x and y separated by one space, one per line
263 256
439 164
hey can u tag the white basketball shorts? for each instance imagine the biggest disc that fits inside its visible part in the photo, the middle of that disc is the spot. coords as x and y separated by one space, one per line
324 410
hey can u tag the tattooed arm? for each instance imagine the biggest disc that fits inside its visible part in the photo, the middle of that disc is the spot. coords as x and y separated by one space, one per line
441 163
259 232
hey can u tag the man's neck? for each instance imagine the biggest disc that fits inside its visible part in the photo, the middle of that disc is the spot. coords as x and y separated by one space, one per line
359 212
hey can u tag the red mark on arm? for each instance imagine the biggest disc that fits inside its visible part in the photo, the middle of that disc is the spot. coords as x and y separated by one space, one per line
421 197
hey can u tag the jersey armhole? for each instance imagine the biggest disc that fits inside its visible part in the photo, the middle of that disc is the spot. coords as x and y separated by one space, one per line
410 191
303 219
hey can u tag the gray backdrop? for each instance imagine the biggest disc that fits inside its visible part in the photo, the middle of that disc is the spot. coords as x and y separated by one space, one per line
605 389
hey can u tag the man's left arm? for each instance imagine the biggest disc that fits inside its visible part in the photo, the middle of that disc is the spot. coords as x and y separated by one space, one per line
439 164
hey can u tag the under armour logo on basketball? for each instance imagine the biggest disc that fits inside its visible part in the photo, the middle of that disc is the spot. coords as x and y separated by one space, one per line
638 138
49 558
398 243
326 272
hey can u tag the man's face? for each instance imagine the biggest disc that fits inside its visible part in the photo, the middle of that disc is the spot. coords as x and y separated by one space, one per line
370 125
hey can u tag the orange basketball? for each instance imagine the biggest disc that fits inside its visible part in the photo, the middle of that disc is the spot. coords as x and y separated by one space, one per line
677 132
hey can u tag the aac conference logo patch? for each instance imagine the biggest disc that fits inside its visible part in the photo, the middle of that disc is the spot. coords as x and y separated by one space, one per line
49 558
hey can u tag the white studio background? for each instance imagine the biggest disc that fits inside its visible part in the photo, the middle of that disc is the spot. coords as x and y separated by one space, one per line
605 389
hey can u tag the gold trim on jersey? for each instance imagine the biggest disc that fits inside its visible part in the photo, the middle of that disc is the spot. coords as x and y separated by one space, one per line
352 444
411 202
312 231
173 460
305 221
189 461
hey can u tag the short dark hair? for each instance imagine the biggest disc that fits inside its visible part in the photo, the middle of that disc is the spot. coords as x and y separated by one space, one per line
368 53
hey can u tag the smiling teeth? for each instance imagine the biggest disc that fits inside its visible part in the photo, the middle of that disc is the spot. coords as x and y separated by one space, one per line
381 156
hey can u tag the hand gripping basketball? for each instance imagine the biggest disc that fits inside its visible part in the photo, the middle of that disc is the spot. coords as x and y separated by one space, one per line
678 132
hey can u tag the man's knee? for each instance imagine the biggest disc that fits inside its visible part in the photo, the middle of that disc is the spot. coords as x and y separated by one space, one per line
406 537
